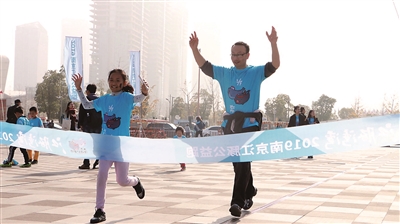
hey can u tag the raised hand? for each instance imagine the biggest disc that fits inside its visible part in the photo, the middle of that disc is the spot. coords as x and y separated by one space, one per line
144 88
273 38
77 79
193 41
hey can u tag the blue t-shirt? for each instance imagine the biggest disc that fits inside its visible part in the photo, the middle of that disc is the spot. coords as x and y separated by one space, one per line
36 122
176 136
23 121
297 120
116 113
240 89
311 120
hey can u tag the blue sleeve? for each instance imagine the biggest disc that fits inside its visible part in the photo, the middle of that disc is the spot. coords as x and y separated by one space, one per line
260 72
129 100
40 123
219 72
97 103
19 121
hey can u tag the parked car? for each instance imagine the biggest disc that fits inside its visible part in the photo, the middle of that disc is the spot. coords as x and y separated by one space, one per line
212 130
52 125
160 130
161 126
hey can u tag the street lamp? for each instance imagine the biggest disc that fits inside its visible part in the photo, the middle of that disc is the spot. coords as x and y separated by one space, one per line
169 109
198 92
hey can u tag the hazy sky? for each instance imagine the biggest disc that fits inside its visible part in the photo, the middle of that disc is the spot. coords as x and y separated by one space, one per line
344 48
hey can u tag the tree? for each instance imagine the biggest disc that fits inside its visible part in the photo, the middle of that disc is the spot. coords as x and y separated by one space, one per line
147 107
101 87
52 94
179 108
206 101
278 107
391 105
215 91
346 113
188 99
323 107
357 107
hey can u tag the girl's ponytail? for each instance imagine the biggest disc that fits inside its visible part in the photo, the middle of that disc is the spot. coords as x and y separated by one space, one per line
128 88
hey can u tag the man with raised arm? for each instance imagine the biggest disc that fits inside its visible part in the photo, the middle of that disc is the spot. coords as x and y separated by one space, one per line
240 87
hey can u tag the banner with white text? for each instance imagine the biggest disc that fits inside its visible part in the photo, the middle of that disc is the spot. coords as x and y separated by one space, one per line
73 63
325 138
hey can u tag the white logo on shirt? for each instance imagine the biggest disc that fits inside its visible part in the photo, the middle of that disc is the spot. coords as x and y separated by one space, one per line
239 82
232 109
111 108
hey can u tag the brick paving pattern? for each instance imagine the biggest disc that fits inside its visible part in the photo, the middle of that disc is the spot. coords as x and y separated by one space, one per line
352 187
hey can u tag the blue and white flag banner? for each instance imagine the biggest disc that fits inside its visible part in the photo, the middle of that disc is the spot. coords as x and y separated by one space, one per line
73 63
332 137
134 72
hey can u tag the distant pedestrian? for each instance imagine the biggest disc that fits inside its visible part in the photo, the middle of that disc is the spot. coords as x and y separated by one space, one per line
34 121
179 133
311 119
70 113
187 131
296 119
199 126
11 118
90 121
21 120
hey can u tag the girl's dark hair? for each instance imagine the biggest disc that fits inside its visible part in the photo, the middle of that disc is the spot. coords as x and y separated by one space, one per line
198 118
180 128
67 109
309 113
128 88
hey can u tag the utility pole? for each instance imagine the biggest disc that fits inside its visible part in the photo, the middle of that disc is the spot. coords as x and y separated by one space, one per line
198 92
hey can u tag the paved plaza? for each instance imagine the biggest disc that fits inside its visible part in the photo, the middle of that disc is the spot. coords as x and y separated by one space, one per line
352 187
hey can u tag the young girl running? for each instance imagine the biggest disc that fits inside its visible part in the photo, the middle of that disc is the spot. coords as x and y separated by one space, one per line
119 104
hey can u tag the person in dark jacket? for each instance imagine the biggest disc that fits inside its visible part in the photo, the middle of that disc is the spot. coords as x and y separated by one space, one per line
311 119
296 119
11 118
90 121
303 113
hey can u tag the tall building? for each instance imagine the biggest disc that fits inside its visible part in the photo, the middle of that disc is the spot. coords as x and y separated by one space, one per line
116 30
77 28
4 64
31 55
157 29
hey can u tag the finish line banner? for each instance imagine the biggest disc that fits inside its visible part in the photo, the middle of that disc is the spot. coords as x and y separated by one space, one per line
73 62
340 136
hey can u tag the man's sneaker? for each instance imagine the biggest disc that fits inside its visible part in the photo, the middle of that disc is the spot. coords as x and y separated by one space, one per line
26 165
14 162
140 192
99 216
34 162
310 157
235 210
249 202
6 165
95 164
84 167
